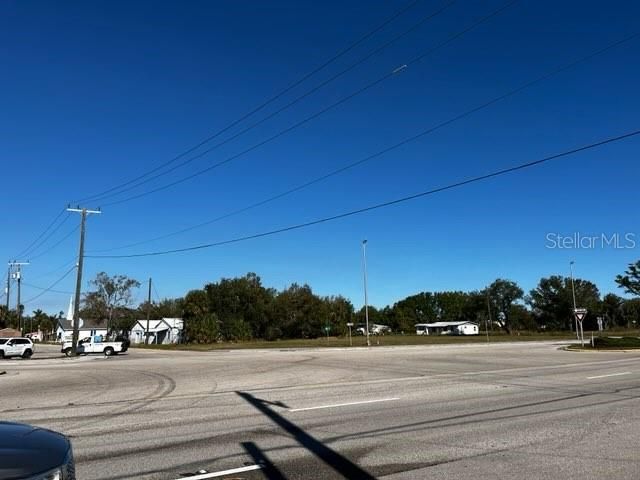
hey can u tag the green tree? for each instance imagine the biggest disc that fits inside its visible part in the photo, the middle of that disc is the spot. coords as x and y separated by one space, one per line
502 296
630 281
450 306
111 299
552 304
630 312
201 325
242 306
611 309
299 312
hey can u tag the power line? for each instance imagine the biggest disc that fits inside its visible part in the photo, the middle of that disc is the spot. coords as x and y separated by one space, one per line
263 104
51 290
306 120
296 100
56 270
153 285
32 246
57 243
385 204
386 150
48 289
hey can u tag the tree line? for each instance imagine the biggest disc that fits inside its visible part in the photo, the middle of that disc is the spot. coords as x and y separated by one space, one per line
242 308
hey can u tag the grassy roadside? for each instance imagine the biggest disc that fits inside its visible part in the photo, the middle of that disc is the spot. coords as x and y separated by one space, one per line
360 341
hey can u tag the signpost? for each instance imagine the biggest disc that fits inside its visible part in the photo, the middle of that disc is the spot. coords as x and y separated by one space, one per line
580 314
350 325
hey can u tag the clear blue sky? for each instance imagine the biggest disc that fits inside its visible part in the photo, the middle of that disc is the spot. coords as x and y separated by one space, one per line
96 93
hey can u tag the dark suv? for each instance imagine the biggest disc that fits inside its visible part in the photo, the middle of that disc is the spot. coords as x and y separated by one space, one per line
32 453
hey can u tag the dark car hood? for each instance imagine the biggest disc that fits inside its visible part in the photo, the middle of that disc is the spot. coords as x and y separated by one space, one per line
27 450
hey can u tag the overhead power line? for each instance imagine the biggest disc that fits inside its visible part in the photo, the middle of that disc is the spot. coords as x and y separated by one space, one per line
261 106
306 120
408 198
50 287
295 101
56 270
30 246
41 254
386 150
50 290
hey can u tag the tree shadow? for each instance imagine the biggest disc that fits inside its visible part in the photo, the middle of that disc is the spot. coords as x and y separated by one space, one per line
340 464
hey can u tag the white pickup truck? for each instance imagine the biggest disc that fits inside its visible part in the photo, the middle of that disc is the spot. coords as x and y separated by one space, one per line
89 345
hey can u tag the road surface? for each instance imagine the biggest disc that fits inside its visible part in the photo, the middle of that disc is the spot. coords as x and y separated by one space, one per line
505 411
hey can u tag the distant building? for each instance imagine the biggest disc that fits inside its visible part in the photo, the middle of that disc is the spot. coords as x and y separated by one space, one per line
10 332
447 328
163 331
88 328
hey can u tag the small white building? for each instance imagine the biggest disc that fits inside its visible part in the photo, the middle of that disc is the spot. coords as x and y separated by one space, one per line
447 328
88 328
163 331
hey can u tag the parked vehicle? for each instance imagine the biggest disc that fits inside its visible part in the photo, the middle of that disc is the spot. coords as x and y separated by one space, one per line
374 329
93 345
34 336
28 452
16 347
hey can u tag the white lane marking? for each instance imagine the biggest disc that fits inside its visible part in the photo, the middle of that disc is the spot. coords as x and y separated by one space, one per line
222 473
609 375
363 402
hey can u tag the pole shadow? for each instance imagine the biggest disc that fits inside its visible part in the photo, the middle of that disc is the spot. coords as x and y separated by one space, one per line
340 464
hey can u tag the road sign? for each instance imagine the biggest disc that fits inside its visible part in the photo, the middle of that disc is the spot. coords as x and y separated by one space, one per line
600 323
349 324
580 313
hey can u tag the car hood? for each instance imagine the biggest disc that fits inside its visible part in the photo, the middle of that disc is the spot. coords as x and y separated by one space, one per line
27 450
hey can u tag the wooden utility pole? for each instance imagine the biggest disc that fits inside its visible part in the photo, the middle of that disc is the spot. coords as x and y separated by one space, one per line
18 276
76 304
8 286
146 337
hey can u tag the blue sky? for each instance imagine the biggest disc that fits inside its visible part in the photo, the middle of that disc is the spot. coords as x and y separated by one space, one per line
97 93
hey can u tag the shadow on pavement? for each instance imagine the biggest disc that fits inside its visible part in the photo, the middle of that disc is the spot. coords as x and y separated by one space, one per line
268 468
340 464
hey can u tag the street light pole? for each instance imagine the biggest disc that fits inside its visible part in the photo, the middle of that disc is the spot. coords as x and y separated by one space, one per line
573 291
366 298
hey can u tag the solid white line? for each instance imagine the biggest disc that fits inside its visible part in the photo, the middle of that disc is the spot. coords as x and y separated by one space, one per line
610 375
223 473
344 404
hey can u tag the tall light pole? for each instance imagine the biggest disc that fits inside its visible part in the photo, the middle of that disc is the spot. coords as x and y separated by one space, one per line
366 298
573 291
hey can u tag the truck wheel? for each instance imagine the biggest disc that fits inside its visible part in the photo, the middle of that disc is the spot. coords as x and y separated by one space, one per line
67 351
108 352
27 353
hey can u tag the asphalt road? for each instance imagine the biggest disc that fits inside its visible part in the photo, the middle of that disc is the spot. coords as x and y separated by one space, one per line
506 411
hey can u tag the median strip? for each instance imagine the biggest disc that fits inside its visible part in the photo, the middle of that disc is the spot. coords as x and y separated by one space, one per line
609 375
363 402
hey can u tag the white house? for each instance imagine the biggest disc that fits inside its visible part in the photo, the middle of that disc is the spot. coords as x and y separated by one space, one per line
447 328
165 330
87 328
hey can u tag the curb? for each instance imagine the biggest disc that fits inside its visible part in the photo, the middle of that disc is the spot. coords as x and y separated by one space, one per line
601 350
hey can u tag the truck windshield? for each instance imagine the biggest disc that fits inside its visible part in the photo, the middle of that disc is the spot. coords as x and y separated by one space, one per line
3 341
